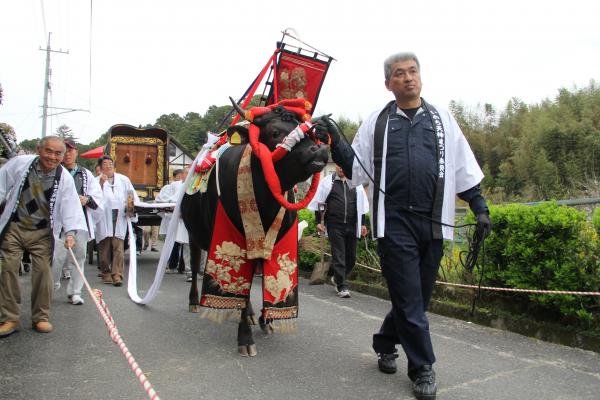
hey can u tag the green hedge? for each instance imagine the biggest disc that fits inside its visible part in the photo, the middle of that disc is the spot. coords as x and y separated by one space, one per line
548 247
596 219
308 216
307 259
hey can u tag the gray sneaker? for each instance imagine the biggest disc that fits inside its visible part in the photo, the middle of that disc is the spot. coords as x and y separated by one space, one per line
344 294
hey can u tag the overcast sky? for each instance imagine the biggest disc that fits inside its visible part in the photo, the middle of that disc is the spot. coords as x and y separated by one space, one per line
150 58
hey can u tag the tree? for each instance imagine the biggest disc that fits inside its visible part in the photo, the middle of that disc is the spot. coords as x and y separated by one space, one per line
347 127
172 123
29 145
64 132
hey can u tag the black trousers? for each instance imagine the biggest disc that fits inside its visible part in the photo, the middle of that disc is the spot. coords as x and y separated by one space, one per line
342 239
410 261
176 258
138 232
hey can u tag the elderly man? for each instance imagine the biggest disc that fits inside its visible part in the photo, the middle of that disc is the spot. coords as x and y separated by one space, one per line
41 201
90 197
113 225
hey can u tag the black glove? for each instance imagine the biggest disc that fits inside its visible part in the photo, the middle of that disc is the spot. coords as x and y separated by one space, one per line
326 130
484 225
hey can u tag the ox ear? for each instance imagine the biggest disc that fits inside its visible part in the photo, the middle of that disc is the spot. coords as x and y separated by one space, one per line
237 134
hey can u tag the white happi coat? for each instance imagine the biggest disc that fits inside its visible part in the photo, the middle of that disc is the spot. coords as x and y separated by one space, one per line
170 194
116 199
462 170
94 191
362 202
67 214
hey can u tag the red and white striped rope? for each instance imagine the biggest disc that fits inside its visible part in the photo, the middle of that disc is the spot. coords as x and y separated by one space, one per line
98 294
114 334
501 289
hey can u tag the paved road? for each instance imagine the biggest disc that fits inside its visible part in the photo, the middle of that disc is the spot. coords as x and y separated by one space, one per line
329 357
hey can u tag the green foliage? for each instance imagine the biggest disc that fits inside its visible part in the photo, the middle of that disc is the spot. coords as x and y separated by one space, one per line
307 260
29 145
64 132
348 127
596 219
541 151
547 247
308 216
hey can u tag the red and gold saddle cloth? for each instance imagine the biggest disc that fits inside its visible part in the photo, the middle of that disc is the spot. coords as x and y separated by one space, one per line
232 259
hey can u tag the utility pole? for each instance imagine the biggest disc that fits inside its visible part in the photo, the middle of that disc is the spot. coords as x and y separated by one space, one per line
48 50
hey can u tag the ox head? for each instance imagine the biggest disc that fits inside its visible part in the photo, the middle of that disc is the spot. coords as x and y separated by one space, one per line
306 158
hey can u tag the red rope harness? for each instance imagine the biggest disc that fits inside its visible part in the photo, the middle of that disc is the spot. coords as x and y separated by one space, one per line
267 160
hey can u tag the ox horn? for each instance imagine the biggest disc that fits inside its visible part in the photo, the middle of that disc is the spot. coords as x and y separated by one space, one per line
237 108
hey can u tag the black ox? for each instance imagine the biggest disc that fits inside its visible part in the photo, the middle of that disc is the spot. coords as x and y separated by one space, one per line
198 210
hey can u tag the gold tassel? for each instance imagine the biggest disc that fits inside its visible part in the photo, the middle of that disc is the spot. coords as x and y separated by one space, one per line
219 316
285 326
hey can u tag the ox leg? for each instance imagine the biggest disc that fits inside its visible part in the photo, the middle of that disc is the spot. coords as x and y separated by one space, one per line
250 315
246 345
194 302
266 325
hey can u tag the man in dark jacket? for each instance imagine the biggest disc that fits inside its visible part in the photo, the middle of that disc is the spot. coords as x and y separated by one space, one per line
416 154
344 222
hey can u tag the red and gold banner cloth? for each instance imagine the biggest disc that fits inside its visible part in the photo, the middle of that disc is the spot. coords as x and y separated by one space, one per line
228 273
299 76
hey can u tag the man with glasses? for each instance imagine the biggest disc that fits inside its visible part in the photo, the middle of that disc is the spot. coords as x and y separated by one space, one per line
419 161
113 225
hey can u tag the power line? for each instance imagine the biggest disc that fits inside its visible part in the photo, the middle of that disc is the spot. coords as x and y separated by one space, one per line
44 18
90 83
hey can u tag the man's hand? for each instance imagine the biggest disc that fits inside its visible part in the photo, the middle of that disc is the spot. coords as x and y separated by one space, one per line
321 228
326 130
103 178
83 200
363 231
484 225
69 242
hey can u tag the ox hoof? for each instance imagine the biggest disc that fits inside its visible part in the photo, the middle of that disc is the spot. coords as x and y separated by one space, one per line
248 351
267 328
195 308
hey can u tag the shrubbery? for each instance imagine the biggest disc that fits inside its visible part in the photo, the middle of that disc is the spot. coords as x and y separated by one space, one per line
307 259
546 247
308 216
596 219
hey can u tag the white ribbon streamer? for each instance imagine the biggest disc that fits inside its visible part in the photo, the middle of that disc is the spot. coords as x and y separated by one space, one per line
165 253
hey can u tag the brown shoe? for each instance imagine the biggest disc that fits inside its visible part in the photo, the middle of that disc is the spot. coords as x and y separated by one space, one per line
8 328
43 327
106 278
117 282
